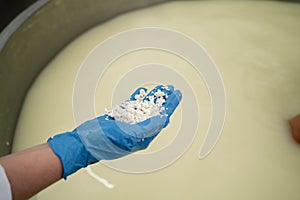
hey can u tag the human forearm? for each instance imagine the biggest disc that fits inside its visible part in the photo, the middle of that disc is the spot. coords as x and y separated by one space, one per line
31 170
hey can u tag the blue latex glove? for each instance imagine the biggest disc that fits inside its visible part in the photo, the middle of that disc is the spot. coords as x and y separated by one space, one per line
104 138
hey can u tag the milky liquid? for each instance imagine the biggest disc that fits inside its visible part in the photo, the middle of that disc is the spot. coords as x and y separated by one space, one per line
256 47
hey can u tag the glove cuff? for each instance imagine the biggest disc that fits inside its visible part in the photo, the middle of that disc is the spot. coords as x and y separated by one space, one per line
72 153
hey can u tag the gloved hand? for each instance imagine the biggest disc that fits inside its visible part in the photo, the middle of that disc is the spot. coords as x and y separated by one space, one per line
104 138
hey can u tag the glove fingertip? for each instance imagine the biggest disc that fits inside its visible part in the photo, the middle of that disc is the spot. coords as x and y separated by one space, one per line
172 102
178 95
137 91
170 88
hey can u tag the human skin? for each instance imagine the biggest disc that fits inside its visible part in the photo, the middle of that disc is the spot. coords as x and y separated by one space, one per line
31 170
295 128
